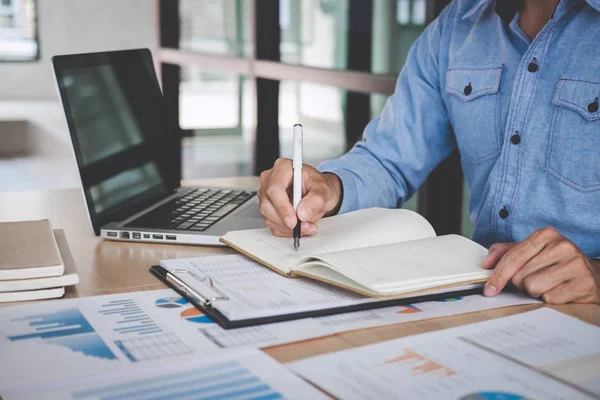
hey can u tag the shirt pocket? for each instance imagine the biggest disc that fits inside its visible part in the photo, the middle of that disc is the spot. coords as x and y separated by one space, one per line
574 148
473 110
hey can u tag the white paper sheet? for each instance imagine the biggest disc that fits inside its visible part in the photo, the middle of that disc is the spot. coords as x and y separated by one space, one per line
554 343
255 291
43 342
248 374
78 337
453 364
310 328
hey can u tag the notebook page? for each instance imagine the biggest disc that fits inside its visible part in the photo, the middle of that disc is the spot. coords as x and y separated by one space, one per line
411 265
355 230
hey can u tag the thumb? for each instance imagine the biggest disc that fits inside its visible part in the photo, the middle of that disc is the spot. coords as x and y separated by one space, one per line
495 254
311 206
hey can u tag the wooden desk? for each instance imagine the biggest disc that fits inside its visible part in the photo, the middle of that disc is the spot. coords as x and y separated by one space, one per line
111 267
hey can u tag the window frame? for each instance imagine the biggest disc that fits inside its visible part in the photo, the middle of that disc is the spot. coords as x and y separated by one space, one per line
36 37
440 198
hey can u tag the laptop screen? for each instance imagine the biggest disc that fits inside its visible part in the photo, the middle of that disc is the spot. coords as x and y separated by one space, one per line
126 156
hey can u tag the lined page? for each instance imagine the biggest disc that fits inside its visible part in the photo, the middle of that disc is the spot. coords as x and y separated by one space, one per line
355 230
400 267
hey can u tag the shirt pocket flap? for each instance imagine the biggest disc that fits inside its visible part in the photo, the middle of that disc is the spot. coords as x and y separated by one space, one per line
579 96
469 84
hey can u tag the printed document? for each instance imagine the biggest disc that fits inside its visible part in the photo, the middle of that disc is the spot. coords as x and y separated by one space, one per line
79 337
56 340
541 354
254 291
248 374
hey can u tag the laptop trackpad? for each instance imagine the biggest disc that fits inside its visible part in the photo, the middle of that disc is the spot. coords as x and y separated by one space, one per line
250 212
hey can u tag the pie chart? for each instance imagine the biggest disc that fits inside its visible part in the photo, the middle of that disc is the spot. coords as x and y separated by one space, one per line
195 315
171 302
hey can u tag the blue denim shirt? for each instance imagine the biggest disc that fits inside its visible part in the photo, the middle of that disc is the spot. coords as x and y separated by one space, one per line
524 115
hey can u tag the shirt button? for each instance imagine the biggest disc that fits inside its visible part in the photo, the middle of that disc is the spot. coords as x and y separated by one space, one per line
532 67
468 89
503 213
515 139
593 106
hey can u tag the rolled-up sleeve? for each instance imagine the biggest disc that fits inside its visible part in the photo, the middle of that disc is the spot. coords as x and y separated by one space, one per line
407 140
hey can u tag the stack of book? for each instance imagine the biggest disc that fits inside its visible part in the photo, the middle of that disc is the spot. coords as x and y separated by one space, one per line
35 261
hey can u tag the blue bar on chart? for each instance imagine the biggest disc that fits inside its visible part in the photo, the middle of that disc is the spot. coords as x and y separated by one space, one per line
131 318
67 328
225 380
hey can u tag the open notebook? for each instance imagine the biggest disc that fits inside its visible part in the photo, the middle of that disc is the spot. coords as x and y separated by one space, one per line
376 252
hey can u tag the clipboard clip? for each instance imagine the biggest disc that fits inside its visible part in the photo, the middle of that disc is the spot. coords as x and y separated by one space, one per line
185 288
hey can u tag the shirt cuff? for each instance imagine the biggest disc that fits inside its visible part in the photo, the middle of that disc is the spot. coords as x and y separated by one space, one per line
349 192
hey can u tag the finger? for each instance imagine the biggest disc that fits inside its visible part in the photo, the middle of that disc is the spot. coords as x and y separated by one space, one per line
569 291
514 259
555 253
542 281
268 212
495 254
276 191
306 229
264 177
310 207
593 297
288 234
281 234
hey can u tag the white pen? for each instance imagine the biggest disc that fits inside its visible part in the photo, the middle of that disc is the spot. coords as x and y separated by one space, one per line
297 166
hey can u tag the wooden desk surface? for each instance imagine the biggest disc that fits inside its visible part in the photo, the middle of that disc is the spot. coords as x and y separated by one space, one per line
111 267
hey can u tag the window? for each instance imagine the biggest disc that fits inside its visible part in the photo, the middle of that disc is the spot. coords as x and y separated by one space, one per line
214 114
238 74
317 33
215 26
18 30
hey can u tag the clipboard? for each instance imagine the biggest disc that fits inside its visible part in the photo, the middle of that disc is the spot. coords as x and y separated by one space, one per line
208 304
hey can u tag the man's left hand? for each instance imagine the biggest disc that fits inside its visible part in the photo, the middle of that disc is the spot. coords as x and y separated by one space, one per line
546 265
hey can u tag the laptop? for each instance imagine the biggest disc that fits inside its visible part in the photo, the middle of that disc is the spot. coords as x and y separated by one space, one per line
130 162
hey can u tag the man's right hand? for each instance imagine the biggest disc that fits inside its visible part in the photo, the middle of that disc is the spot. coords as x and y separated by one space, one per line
321 194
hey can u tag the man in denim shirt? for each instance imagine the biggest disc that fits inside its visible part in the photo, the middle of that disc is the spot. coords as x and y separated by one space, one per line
514 85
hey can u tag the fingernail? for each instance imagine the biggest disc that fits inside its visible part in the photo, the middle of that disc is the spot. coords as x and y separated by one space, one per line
289 222
313 230
490 291
304 212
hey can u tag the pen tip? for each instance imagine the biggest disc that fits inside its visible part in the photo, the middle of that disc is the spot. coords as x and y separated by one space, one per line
296 243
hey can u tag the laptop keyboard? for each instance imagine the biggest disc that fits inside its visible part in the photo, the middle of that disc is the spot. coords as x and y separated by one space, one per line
195 210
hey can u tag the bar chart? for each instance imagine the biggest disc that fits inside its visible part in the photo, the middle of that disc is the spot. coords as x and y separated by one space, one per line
223 380
128 317
67 328
414 364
